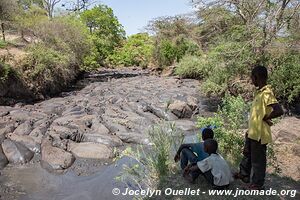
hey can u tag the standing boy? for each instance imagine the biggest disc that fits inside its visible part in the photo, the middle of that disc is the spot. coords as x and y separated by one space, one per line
264 108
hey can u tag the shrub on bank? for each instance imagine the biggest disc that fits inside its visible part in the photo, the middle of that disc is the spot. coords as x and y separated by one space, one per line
47 69
136 51
192 67
285 77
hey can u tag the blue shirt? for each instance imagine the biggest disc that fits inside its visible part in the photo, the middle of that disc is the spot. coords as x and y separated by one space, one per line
198 148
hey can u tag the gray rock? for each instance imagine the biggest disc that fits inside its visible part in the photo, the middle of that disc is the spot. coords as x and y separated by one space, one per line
16 152
3 159
7 129
53 158
24 129
27 141
109 140
90 150
130 137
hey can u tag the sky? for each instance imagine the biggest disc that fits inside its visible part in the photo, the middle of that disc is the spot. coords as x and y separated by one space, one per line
134 15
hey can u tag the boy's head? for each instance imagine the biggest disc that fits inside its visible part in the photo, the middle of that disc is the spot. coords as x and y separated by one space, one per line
210 146
207 133
259 75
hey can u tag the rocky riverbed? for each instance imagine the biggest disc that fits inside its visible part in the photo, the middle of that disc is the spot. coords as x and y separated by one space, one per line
108 111
63 147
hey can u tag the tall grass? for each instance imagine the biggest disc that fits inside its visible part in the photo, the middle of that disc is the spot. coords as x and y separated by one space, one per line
155 162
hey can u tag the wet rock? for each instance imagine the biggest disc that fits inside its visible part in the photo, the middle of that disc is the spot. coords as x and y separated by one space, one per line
27 141
25 128
53 158
3 159
91 150
16 152
180 109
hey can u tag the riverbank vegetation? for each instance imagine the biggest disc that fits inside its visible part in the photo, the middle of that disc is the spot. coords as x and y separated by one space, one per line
218 43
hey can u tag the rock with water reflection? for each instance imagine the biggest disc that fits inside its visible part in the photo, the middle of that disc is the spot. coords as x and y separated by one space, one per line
16 152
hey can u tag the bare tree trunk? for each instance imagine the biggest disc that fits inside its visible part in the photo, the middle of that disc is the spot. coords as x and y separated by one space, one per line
3 33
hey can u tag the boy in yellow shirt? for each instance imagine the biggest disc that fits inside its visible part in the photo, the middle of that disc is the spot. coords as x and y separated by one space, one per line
264 108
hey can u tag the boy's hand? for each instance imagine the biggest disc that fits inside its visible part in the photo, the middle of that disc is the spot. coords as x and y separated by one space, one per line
187 170
177 157
268 121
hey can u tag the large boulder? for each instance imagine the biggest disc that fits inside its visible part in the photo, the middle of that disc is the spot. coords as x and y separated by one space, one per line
180 109
53 158
16 152
90 150
3 159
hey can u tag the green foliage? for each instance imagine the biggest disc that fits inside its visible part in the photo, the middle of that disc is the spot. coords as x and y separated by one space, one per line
285 77
234 110
28 20
157 161
192 67
3 44
44 62
106 31
65 34
137 51
165 142
5 71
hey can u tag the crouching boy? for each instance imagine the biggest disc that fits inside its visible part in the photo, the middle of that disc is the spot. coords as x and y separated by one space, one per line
214 168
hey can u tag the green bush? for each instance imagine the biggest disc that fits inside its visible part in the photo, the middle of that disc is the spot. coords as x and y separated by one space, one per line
216 83
137 51
192 67
48 69
67 35
5 71
157 160
235 111
3 44
285 77
165 53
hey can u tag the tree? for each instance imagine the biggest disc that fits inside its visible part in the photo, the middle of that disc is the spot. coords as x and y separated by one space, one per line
8 9
49 6
271 18
79 5
106 31
137 51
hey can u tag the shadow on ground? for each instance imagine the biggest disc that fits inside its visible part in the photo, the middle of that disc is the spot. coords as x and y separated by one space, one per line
273 182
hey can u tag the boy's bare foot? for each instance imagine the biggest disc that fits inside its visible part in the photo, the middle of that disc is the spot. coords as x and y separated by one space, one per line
189 178
245 179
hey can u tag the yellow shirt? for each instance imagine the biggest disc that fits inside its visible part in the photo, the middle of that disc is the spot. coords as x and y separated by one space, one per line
259 129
